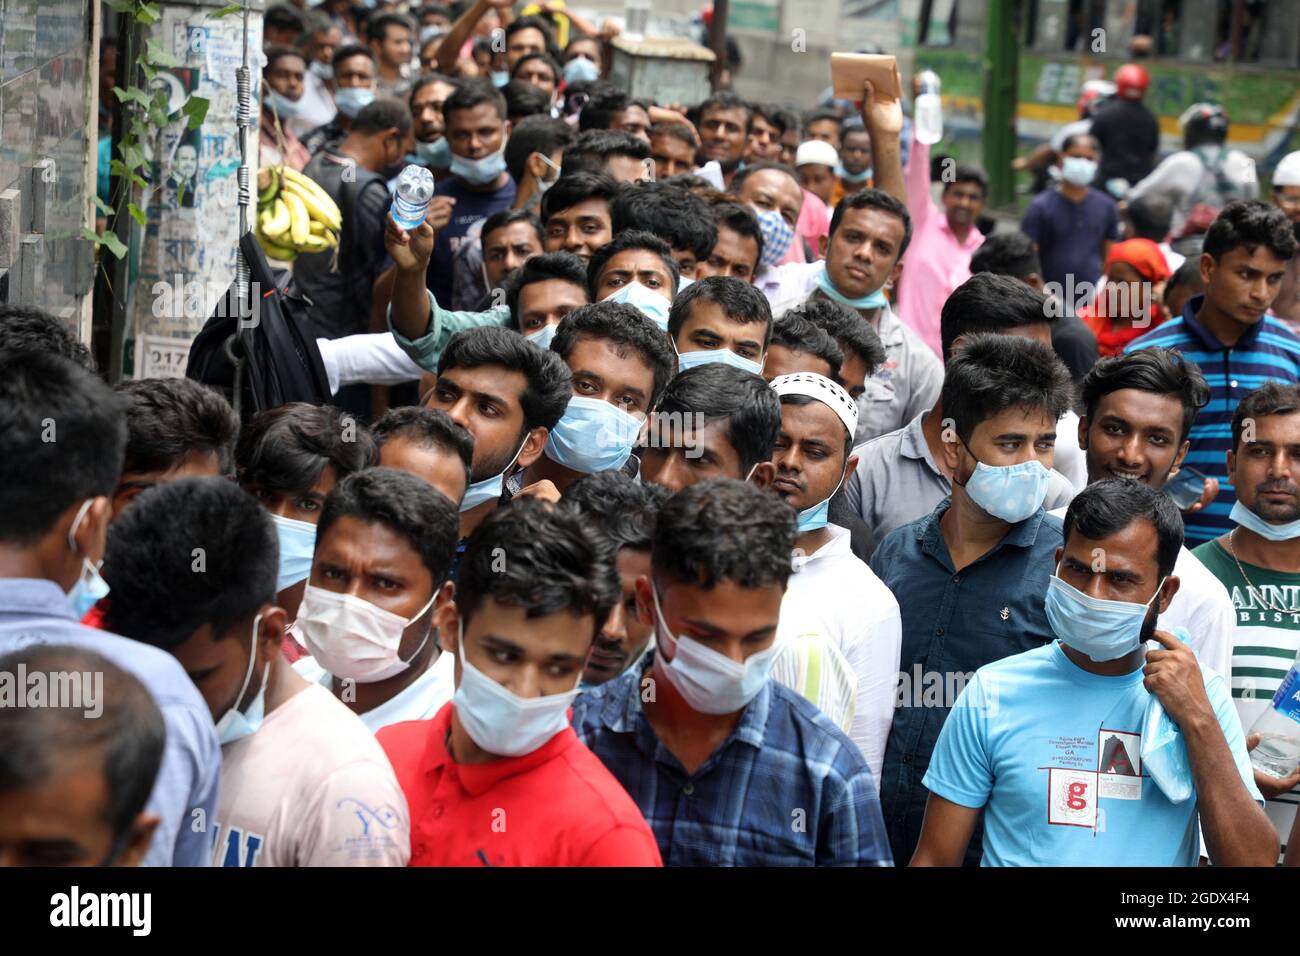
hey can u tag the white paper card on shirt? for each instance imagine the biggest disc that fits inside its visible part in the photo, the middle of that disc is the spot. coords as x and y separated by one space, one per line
1119 765
1071 798
159 356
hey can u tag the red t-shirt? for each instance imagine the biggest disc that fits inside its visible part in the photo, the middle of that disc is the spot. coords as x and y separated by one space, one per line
557 806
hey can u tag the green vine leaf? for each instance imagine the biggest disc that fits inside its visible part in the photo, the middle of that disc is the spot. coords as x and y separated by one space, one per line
225 11
108 240
155 55
136 213
103 207
196 108
132 95
147 13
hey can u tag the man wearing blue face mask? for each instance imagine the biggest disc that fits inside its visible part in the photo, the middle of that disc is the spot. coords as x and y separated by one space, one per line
970 576
477 130
620 365
1052 745
638 269
61 449
1073 224
832 593
353 82
718 756
304 783
497 777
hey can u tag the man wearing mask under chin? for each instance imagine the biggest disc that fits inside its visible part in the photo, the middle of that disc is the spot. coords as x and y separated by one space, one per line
282 89
1052 746
498 778
303 781
428 96
379 577
477 130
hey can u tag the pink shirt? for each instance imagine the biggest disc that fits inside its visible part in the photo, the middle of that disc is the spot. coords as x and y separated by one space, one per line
814 222
936 262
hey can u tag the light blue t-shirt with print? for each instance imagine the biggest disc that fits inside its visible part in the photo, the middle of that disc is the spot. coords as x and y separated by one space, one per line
1053 754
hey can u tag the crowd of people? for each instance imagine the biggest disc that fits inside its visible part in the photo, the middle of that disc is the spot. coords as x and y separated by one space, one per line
703 484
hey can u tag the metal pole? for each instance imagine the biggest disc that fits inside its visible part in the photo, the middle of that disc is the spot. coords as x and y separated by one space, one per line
718 40
243 89
1001 64
122 190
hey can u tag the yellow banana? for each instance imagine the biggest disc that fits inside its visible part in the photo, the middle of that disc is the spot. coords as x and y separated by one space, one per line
322 231
326 212
283 253
268 184
313 244
299 220
275 219
306 183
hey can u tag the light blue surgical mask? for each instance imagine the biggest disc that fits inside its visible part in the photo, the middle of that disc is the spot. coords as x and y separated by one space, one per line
284 107
1103 630
351 100
1009 492
593 436
1078 170
235 724
489 489
581 70
687 360
480 172
436 155
90 586
872 300
816 517
500 78
297 546
849 177
323 71
1247 519
431 32
543 337
647 300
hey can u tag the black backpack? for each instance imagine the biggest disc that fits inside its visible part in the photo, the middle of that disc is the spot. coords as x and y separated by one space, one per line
270 358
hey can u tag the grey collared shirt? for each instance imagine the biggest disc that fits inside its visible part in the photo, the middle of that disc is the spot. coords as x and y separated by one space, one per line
898 481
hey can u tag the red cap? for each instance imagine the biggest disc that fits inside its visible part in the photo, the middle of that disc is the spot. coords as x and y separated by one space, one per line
1131 81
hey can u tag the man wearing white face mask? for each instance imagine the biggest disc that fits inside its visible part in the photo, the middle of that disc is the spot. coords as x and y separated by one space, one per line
620 365
304 783
353 81
498 778
970 576
720 319
379 576
1054 747
720 757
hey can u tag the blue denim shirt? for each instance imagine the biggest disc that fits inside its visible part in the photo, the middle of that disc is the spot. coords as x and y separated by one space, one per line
185 793
953 623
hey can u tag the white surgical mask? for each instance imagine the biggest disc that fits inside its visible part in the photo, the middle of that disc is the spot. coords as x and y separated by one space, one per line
352 638
499 720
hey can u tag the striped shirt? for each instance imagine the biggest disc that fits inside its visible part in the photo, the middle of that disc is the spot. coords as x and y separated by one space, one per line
1267 350
787 788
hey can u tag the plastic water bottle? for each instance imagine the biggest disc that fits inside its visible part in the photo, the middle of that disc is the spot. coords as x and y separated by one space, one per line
411 200
1278 753
927 110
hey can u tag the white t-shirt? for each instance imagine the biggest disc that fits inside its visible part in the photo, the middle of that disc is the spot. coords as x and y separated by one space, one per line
418 701
312 787
316 108
833 593
1069 459
1202 606
1181 177
368 358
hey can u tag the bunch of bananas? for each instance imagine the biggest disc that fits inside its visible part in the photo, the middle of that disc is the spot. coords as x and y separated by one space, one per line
294 214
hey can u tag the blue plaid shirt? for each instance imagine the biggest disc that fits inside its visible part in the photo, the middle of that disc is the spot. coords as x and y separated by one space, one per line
787 788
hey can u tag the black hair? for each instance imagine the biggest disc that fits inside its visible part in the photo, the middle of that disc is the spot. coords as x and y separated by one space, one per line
1085 138
627 328
548 383
508 217
1271 398
725 100
23 328
564 266
1250 223
738 180
62 440
383 114
377 27
36 742
724 530
593 148
715 392
425 79
1157 370
776 116
741 220
534 22
740 301
427 428
169 418
1151 216
632 239
677 131
349 50
438 9
874 199
552 563
534 134
822 114
282 16
796 332
801 399
1188 274
206 544
472 93
274 54
849 329
523 99
969 173
403 503
991 373
990 303
602 105
1009 254
618 507
675 215
1108 507
287 448
546 58
573 188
